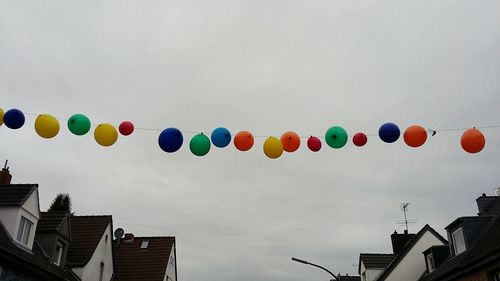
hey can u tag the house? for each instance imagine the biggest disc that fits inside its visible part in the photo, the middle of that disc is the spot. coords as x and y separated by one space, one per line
21 256
406 262
90 253
474 249
348 278
145 258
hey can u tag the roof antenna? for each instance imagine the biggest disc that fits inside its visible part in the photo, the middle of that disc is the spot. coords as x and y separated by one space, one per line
406 221
5 166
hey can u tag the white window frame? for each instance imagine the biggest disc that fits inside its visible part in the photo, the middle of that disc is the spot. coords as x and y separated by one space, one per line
430 262
454 236
24 231
59 253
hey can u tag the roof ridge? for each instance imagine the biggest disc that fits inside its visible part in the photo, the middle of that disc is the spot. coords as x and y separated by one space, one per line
376 254
20 184
91 216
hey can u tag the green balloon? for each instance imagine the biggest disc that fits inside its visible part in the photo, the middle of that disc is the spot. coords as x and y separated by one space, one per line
79 124
199 145
336 137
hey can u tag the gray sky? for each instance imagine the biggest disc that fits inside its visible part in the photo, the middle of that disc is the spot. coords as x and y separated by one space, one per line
267 67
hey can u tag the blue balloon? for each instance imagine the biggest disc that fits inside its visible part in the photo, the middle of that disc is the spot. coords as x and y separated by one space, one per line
221 137
389 132
170 140
14 118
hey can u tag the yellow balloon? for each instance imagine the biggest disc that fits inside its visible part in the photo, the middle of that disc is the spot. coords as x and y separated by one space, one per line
105 134
1 116
273 148
46 126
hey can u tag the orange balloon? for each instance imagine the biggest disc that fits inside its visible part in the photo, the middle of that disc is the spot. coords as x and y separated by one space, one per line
473 140
290 141
243 140
415 136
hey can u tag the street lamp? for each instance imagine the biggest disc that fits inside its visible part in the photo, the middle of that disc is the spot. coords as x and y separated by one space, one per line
318 266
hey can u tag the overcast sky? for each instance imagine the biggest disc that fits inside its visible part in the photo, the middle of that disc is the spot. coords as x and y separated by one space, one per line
267 67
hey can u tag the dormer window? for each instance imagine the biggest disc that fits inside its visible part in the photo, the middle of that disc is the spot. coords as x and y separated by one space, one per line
430 262
458 241
23 233
59 253
144 244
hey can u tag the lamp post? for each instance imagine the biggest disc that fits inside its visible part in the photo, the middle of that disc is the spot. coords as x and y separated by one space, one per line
318 266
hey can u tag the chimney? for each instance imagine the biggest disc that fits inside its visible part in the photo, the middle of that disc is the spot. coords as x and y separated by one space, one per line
5 176
128 239
399 241
484 203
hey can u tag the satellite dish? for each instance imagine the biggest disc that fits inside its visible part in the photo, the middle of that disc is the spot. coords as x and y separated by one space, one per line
119 233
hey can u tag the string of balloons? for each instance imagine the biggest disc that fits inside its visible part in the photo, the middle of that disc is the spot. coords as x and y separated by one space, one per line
171 140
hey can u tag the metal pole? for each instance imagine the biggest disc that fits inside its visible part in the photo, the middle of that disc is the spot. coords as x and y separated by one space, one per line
315 265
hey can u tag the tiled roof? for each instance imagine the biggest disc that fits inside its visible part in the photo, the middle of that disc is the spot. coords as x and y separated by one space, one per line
348 278
50 221
375 260
150 264
34 262
86 232
15 194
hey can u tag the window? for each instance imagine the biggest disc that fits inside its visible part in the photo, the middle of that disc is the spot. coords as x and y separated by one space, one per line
106 239
144 244
23 233
59 253
101 271
495 275
430 262
458 241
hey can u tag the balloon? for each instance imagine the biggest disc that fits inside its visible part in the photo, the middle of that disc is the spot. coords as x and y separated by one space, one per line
46 126
126 128
14 118
199 145
221 137
290 141
79 124
314 144
243 140
473 140
170 140
336 137
415 136
105 134
389 132
273 148
359 139
1 117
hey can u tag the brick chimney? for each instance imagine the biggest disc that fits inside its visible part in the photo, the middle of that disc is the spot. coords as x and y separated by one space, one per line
128 239
399 241
484 203
5 176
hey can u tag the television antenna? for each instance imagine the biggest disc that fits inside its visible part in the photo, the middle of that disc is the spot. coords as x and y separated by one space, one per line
406 221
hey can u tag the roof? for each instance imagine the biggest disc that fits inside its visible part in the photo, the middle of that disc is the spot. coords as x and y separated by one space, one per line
409 245
150 264
34 261
375 260
15 194
484 250
51 222
86 232
348 278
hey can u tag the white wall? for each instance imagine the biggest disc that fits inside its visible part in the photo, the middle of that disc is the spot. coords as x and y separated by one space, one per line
413 264
10 217
170 272
102 253
371 274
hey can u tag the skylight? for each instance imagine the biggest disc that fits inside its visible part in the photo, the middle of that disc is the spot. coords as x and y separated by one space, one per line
144 244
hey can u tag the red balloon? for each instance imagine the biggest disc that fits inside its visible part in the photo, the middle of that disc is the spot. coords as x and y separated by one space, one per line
314 144
290 141
359 139
243 140
126 128
473 141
